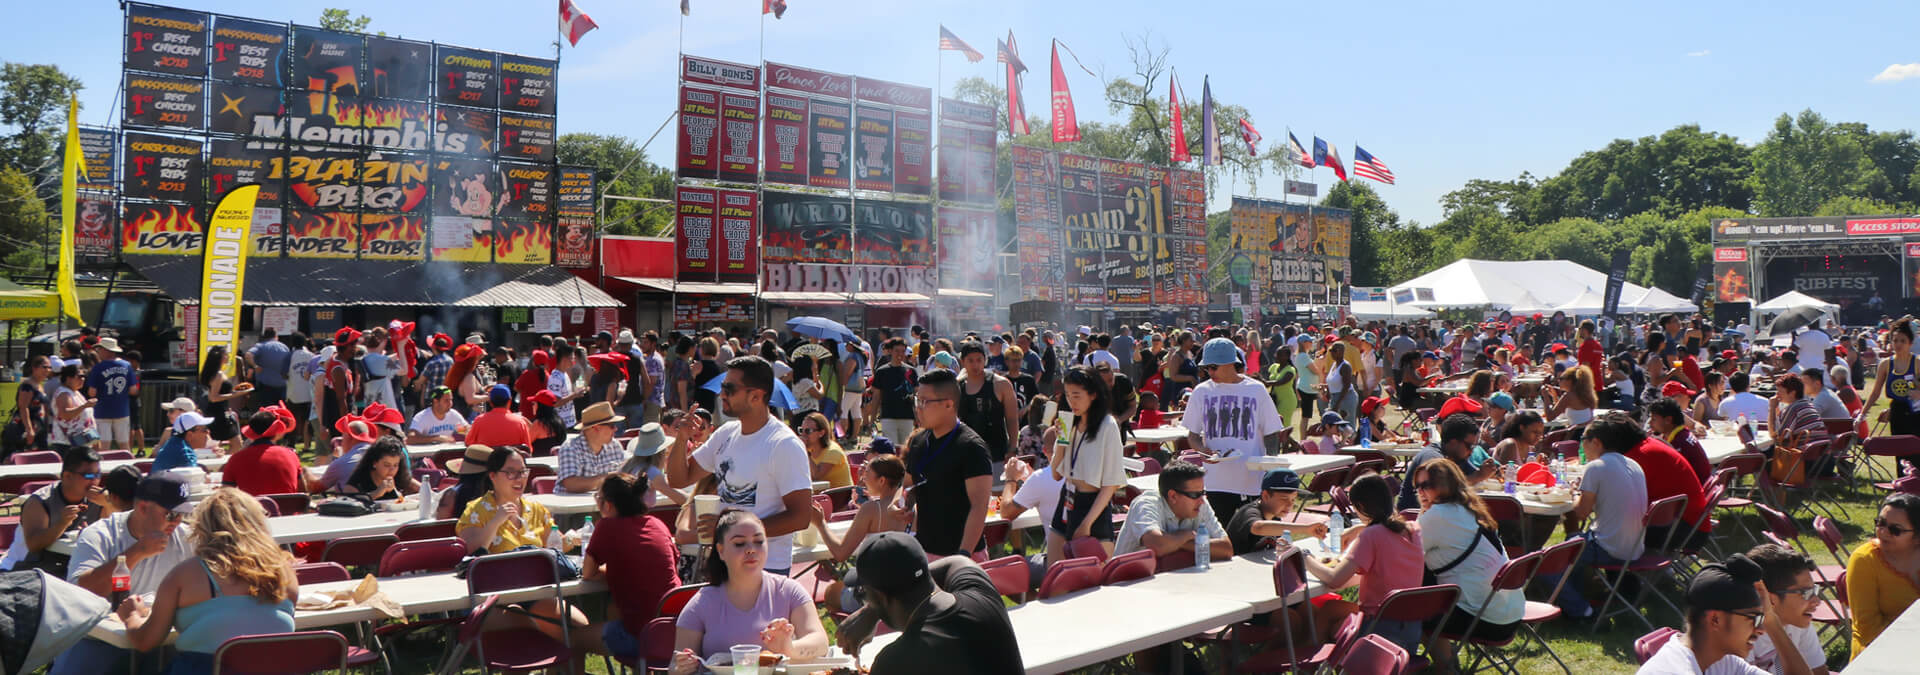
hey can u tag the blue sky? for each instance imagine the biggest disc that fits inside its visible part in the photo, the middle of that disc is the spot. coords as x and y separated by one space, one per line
1440 92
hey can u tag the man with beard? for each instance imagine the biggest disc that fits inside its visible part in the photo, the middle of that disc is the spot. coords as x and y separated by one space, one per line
761 464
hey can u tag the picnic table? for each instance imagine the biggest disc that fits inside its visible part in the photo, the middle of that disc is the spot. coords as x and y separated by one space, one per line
1300 463
1166 434
1894 651
208 463
1396 450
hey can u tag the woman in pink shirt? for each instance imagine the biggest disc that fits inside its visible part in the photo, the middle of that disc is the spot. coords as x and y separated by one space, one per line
1386 554
744 604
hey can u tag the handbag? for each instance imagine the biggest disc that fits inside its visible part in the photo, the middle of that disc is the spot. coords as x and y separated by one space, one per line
1432 576
345 506
1787 467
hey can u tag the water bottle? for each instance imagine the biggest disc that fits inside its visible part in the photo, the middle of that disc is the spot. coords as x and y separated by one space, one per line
122 581
1512 469
1533 457
1287 536
426 501
1202 554
586 531
554 540
1336 525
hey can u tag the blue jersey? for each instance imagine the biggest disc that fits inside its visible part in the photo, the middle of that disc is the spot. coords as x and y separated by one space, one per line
112 383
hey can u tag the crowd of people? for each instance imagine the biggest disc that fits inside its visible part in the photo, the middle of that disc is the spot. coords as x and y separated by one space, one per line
755 422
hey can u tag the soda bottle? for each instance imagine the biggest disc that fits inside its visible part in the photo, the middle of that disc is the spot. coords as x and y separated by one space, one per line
122 580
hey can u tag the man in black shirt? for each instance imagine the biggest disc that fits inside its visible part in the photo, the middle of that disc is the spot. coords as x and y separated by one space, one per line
892 397
1024 386
949 471
952 619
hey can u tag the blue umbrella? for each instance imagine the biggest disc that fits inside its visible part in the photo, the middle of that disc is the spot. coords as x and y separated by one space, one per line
782 396
820 327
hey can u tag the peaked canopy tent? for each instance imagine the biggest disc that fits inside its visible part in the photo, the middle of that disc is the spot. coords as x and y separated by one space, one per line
1527 286
1388 310
20 302
1795 300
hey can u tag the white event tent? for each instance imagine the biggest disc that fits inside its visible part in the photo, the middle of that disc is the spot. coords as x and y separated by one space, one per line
1529 286
1387 310
1794 300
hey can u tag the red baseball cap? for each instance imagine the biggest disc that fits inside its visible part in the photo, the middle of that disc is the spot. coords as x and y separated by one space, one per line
1675 388
1459 404
1370 404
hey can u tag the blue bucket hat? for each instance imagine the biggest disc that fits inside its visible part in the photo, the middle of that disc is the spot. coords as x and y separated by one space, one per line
1219 352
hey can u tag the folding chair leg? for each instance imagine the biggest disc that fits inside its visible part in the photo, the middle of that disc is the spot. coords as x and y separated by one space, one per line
1543 645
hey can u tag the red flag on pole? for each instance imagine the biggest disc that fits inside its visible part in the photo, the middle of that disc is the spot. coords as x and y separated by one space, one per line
1066 128
1009 53
1180 153
778 8
1251 135
575 23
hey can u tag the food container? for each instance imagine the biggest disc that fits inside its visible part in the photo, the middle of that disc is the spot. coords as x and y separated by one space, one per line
194 475
1268 462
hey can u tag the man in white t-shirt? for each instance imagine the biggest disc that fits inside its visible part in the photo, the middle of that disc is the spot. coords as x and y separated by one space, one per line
1614 491
1038 491
154 541
1231 417
1742 402
1788 576
1726 614
1813 345
762 466
300 386
439 423
1171 518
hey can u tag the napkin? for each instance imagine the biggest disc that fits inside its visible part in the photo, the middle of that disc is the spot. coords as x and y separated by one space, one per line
367 593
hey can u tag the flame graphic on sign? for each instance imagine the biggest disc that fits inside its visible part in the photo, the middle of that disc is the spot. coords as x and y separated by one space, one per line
159 218
378 115
527 242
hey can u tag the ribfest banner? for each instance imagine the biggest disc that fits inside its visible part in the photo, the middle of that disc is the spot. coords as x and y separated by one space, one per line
363 146
967 147
718 121
575 210
1298 253
1129 234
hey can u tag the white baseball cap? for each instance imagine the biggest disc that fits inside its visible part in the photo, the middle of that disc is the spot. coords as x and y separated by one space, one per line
182 404
189 420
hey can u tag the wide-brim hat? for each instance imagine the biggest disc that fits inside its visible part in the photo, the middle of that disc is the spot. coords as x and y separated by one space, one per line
108 344
472 462
598 414
651 440
363 432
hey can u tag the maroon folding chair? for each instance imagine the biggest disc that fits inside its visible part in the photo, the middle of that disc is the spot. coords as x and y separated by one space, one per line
1554 561
1829 534
320 573
1897 447
1647 645
1566 449
1416 605
1178 560
1323 485
1010 576
677 599
282 654
995 533
1149 466
512 649
1374 655
443 458
839 498
1363 467
292 504
544 485
271 507
429 477
116 455
1086 547
1364 455
1127 567
1661 513
420 556
432 529
1507 509
1277 652
17 484
1512 576
35 457
362 552
656 643
1070 575
8 524
35 486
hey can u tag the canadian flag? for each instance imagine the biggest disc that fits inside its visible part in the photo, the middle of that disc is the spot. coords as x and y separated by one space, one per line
574 23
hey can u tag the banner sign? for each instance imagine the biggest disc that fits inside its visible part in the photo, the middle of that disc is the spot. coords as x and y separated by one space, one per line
166 40
160 228
1883 226
460 238
719 120
392 237
739 146
524 242
1732 279
322 179
1128 230
327 61
1302 189
912 152
1297 253
966 167
898 95
873 148
399 69
93 225
574 205
526 137
223 275
467 77
233 163
1369 294
162 167
822 278
968 256
1616 281
830 140
818 228
1036 216
737 235
1779 228
1700 284
97 155
390 182
693 233
529 191
464 132
162 101
699 151
528 84
322 234
250 52
785 134
691 312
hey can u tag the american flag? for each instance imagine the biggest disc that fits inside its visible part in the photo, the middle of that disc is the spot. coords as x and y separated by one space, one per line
1365 165
951 42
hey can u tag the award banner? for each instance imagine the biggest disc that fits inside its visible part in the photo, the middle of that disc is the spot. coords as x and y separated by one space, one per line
967 252
693 233
250 52
873 148
713 131
699 132
529 194
574 206
912 152
829 124
163 101
162 167
739 137
785 134
467 77
160 228
526 138
98 149
528 84
232 163
166 40
738 243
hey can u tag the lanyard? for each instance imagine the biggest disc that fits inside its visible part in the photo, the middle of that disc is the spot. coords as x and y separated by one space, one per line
920 465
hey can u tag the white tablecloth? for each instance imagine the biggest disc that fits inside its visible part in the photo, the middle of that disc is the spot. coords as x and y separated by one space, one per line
1167 434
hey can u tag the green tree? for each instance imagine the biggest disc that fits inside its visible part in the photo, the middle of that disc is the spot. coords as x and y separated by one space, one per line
33 100
1849 205
1895 154
623 170
1806 161
340 19
1372 224
23 222
1677 171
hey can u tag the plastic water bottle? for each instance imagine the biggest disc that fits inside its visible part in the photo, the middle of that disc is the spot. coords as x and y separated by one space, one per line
1512 469
1202 554
585 531
1287 536
426 501
1533 457
554 539
1336 525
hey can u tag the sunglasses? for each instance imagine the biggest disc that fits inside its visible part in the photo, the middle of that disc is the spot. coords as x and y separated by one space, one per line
729 388
1895 530
1755 616
89 476
1191 494
1807 593
174 517
1424 485
513 473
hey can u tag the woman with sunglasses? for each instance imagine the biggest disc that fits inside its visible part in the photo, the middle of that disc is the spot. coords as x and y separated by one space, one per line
1883 576
1574 397
1090 464
72 422
1462 544
827 462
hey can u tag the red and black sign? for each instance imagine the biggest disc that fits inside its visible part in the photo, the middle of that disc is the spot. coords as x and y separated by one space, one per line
162 228
459 131
526 137
873 148
328 61
166 40
912 152
738 236
399 69
529 191
246 110
238 162
322 179
527 84
251 52
694 233
163 168
467 77
466 187
391 182
699 147
739 137
163 101
94 224
574 206
785 138
830 134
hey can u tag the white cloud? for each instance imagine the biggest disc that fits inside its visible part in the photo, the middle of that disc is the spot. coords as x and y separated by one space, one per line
1898 72
1702 52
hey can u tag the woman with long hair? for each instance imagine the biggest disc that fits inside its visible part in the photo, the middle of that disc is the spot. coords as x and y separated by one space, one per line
382 472
883 477
1462 545
548 430
1896 377
219 394
1706 406
826 461
745 604
1090 466
1385 553
1339 384
28 428
1883 574
240 583
1519 437
1574 396
73 422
